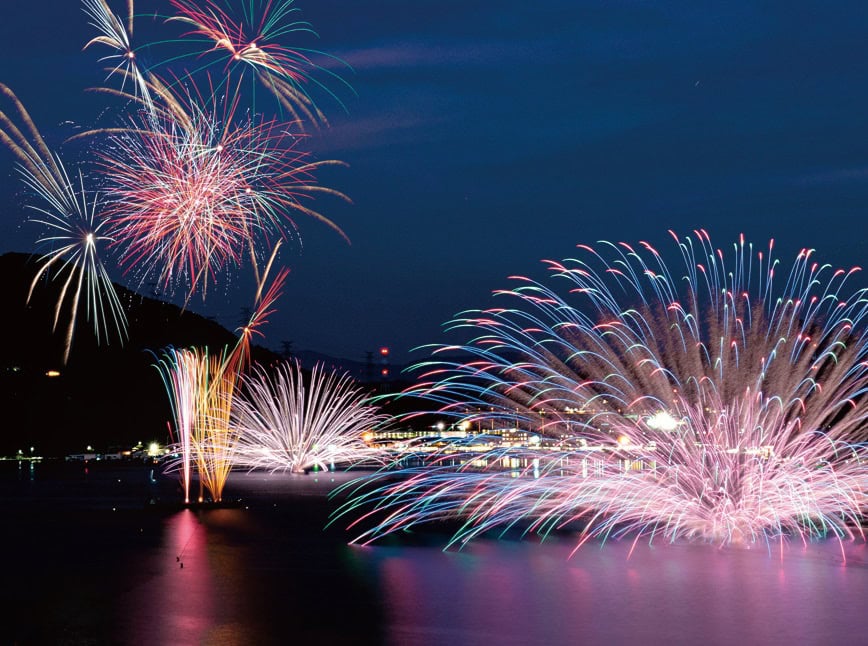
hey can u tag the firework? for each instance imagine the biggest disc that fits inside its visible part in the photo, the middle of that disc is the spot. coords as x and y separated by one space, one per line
75 239
716 403
287 424
116 35
202 390
248 39
180 371
265 299
193 188
75 232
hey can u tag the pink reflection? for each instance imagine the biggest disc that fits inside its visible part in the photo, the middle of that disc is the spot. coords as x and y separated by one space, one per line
508 593
175 603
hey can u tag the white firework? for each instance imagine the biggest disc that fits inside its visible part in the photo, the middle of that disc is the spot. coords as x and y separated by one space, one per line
286 422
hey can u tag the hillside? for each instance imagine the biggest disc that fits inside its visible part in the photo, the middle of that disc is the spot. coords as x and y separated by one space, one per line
107 394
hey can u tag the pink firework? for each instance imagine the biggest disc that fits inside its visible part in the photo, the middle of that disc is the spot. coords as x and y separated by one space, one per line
192 189
721 402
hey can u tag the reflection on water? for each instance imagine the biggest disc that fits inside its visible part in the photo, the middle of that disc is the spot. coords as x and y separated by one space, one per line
520 593
267 573
177 600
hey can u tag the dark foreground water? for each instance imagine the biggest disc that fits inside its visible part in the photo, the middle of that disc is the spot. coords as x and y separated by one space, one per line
88 561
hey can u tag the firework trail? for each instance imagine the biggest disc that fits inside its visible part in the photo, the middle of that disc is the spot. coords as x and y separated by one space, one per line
75 232
718 403
265 300
285 424
194 188
247 38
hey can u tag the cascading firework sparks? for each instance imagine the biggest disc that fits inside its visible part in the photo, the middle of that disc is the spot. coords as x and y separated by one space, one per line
285 424
180 370
720 403
75 234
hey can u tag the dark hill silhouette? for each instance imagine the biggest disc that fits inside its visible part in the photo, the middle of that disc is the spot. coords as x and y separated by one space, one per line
107 395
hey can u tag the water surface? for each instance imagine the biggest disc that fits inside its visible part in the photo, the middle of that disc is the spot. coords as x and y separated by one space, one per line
91 560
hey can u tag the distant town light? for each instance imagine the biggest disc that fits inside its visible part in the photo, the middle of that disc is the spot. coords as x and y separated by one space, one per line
52 373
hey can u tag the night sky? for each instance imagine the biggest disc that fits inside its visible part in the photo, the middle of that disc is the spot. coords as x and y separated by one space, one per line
487 135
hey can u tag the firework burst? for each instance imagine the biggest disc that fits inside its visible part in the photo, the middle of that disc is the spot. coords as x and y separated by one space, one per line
75 232
194 188
718 403
75 238
285 424
248 38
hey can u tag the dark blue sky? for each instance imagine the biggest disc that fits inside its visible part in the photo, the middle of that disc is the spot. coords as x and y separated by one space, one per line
487 135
